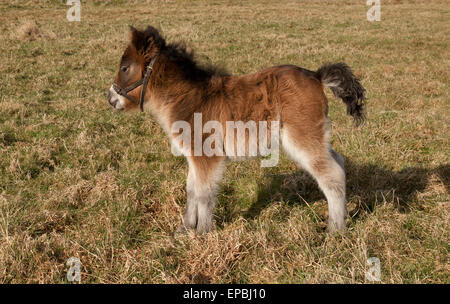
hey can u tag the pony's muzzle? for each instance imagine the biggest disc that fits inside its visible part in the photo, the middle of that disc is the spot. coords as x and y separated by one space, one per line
112 98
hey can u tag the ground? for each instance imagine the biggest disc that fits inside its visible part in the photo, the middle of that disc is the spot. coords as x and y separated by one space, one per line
81 180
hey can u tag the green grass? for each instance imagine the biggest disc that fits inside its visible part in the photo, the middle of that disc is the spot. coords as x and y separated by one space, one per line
78 179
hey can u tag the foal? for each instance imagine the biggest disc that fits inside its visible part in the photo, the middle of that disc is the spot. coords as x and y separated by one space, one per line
165 80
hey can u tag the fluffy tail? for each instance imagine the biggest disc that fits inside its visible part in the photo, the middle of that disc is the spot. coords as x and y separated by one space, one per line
344 84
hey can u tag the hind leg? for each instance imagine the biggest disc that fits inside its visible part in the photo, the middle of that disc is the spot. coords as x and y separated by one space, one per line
325 166
338 157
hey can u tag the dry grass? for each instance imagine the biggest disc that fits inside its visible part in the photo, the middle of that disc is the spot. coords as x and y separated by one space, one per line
78 179
27 31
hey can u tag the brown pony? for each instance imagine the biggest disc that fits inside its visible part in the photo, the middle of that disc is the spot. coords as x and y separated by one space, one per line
166 81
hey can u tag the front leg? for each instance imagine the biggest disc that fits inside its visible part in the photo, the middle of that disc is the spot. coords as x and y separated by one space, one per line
190 215
204 175
206 196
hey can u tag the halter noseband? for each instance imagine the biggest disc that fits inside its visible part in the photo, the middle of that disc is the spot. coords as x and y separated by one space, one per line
143 81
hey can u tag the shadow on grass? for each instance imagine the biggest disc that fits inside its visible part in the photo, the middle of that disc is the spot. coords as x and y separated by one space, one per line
367 186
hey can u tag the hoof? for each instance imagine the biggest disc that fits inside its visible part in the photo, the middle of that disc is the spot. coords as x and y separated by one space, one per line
336 228
182 229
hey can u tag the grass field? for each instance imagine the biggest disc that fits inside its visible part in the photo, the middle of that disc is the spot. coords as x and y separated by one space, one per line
81 180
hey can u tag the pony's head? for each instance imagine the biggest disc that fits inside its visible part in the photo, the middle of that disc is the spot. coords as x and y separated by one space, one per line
126 92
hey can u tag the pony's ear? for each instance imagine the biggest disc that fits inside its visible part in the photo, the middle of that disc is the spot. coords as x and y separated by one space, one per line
147 43
137 38
154 38
131 33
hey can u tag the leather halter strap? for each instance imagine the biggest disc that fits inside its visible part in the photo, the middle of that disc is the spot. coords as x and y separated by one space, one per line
143 81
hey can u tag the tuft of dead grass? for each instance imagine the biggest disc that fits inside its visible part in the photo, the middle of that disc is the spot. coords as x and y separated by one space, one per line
28 30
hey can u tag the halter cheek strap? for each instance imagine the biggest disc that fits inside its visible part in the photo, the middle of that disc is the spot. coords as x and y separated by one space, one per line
143 81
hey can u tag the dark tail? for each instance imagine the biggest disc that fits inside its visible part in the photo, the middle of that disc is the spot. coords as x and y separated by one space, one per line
344 84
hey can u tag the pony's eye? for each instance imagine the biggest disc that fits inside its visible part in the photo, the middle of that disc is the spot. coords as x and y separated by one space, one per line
124 68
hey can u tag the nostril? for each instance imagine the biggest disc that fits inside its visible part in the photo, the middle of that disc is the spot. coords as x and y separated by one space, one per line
112 102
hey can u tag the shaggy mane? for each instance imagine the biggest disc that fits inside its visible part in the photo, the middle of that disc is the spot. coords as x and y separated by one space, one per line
184 58
176 52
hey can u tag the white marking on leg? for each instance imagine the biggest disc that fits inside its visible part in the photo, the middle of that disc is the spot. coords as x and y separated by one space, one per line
190 215
332 184
331 179
294 151
206 196
338 157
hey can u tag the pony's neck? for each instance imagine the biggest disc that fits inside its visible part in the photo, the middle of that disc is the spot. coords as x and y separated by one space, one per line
173 83
172 95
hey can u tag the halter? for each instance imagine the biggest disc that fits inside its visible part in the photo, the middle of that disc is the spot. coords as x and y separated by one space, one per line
143 81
